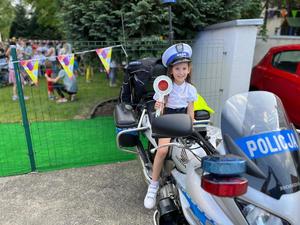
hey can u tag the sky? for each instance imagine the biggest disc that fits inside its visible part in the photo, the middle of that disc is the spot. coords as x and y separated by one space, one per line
15 2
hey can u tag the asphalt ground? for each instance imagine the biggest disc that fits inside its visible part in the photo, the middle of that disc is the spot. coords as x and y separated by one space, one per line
104 194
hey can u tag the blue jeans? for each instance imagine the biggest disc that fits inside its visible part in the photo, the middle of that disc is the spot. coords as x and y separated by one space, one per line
112 75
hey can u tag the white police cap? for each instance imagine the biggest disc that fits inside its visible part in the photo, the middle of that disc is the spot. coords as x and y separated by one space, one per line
176 54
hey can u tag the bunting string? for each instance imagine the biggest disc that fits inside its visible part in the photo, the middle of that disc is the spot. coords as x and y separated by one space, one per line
77 53
67 61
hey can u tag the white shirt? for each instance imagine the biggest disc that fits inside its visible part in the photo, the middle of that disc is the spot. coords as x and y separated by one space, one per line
180 96
20 52
52 55
113 64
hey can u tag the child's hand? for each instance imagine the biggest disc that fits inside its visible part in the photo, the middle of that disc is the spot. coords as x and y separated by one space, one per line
46 76
159 105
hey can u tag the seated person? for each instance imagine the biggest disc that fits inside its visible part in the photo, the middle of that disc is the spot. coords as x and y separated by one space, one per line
68 85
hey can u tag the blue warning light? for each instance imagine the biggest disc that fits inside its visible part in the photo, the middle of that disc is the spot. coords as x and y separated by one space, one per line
224 165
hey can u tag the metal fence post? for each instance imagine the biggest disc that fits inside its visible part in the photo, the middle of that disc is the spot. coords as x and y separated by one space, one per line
13 53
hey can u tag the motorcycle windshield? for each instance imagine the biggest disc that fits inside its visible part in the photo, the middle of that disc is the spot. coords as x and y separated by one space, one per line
255 126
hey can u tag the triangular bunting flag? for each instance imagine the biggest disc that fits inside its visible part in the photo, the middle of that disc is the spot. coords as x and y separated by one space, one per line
67 62
105 57
31 67
294 13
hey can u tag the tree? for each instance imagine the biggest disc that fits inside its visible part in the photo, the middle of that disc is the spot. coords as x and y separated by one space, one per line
6 17
252 9
42 31
101 19
19 26
47 11
198 14
33 22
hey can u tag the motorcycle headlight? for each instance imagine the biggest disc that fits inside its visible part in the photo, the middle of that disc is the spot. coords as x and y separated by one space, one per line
257 216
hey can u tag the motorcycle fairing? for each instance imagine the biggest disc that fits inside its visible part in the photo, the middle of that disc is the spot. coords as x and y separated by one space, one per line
275 142
190 184
287 207
260 116
194 210
193 213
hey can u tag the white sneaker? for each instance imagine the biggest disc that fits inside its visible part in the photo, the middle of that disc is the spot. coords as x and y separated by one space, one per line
62 100
15 97
150 199
51 97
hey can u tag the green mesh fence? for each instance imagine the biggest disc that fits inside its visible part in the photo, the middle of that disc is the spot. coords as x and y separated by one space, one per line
75 143
57 145
13 150
62 134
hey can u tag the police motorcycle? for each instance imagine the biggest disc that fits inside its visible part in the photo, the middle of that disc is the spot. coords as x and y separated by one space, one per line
202 184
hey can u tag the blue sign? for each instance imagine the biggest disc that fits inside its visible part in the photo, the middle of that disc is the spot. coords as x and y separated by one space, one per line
168 1
270 143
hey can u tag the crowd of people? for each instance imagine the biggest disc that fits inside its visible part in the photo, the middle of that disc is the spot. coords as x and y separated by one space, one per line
32 49
45 52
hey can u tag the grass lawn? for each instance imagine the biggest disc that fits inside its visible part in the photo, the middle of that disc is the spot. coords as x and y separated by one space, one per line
61 136
60 144
39 108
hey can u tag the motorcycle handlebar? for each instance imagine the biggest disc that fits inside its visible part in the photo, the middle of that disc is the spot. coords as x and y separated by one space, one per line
206 145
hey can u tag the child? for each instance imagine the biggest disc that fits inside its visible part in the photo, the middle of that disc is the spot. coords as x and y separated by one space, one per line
76 65
51 54
42 59
12 76
112 73
177 59
88 68
69 85
48 74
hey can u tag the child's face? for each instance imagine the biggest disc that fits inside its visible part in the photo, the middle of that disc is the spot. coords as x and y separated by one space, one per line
180 72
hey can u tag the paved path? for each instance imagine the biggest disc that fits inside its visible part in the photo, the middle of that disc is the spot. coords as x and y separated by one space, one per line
105 194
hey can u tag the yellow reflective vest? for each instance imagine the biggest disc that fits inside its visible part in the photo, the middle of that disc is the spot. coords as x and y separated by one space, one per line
201 104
